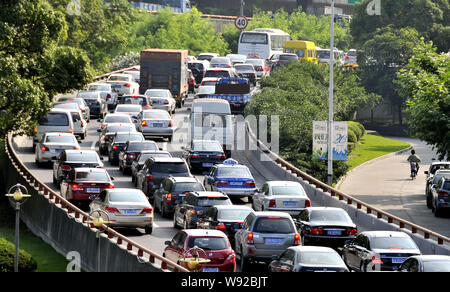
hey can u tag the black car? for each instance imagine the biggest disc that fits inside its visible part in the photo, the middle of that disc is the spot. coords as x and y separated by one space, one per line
226 218
194 207
440 196
118 143
325 226
107 134
141 158
131 151
279 60
246 71
149 178
97 105
203 154
142 100
378 251
426 263
432 182
70 159
171 192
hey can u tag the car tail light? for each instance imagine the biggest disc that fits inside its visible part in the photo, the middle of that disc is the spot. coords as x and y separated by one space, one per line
279 63
66 167
272 203
221 226
76 187
166 101
70 130
169 198
250 238
442 194
149 178
250 184
127 85
110 186
232 258
307 203
346 57
147 210
193 212
170 124
221 156
82 124
112 210
194 156
102 126
144 124
221 183
297 239
44 148
352 231
376 259
316 231
115 147
76 148
108 95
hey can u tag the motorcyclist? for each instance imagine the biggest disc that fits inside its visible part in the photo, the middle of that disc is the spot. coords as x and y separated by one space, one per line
414 158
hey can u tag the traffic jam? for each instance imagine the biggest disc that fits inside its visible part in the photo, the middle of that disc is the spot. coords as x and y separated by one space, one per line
216 206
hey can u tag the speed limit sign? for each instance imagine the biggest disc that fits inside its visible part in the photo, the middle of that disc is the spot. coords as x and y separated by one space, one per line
241 22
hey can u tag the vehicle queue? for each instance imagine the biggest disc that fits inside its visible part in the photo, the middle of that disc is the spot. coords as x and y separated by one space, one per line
281 228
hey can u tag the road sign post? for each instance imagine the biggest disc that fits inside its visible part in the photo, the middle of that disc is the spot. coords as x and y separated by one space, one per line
241 22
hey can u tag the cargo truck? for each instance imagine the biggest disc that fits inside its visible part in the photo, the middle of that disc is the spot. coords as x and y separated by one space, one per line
165 69
234 90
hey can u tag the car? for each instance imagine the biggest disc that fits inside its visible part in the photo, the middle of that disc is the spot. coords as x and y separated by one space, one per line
279 60
67 105
123 84
264 235
203 154
326 226
97 105
113 119
79 123
198 69
52 144
125 208
132 110
136 74
246 71
236 59
81 104
155 169
205 90
432 182
171 192
351 57
226 218
194 206
440 197
69 159
220 73
426 263
106 92
214 244
285 196
262 69
378 251
232 178
107 135
308 259
130 152
56 120
220 62
162 99
141 158
118 143
81 183
141 100
155 123
192 58
209 81
434 166
207 56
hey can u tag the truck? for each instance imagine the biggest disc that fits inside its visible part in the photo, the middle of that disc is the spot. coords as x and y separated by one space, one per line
165 69
234 90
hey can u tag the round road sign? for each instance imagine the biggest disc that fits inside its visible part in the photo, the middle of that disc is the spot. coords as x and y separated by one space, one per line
241 22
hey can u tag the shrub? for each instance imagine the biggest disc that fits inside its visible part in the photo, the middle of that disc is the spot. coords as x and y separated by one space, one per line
7 250
352 138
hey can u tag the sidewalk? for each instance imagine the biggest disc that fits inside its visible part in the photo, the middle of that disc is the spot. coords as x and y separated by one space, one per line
386 184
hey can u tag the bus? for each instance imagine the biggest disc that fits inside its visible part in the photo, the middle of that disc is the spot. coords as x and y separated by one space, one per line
303 49
178 6
262 42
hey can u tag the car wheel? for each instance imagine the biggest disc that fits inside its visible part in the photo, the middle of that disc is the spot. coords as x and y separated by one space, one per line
148 229
175 225
437 212
243 263
169 138
185 223
429 205
362 267
164 212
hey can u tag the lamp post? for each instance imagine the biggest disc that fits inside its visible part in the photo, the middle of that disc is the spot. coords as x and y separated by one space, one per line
17 197
98 222
330 102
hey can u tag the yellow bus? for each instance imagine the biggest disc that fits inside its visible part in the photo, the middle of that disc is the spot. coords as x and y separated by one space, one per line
303 49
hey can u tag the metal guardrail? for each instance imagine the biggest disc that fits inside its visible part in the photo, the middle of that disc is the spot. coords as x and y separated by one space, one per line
427 234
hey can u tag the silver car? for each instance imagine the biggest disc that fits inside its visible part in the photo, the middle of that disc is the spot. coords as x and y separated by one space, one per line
285 196
132 110
125 208
51 144
155 123
123 84
114 119
81 103
57 120
106 93
79 124
162 99
264 235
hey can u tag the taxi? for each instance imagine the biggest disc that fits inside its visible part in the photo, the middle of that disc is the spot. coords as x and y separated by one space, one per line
231 178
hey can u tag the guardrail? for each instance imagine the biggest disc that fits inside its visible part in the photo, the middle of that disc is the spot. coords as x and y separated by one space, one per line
380 214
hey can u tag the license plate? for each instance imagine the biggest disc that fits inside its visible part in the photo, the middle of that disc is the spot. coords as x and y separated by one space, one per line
207 164
235 183
334 232
56 151
210 270
158 125
116 86
398 260
93 190
273 240
290 204
130 212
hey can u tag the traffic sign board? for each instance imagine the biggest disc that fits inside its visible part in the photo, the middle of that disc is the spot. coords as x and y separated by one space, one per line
241 22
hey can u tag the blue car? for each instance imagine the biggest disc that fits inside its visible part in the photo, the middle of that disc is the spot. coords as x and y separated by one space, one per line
231 178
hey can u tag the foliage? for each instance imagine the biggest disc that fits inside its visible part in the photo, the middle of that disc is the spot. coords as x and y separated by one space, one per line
425 84
124 61
26 261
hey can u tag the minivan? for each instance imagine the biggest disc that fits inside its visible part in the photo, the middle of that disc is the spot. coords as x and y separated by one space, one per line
57 120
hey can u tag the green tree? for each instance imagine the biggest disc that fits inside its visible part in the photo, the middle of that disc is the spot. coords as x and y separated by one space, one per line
425 84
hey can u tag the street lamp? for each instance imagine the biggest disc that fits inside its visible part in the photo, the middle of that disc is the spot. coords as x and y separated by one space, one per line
196 260
17 197
330 102
98 221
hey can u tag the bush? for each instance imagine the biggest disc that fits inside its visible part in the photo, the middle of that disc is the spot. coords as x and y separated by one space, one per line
352 137
7 250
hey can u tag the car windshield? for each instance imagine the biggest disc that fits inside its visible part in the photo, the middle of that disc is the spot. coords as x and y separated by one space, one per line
127 196
123 138
117 119
99 87
320 258
55 119
287 190
60 139
392 243
206 146
134 100
138 147
146 156
234 172
157 93
92 176
120 128
436 266
82 156
330 215
156 115
128 109
274 225
118 78
213 201
182 187
195 66
170 167
209 243
233 214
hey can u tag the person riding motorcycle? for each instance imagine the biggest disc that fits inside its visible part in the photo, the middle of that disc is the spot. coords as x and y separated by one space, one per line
414 158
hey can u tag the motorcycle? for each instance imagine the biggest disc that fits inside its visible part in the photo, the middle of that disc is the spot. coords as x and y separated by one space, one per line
414 169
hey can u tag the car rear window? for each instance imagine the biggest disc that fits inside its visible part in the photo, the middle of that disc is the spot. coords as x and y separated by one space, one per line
320 258
130 109
209 243
234 172
170 167
142 146
181 187
134 100
68 105
198 66
233 214
146 156
392 243
92 176
157 93
117 119
99 88
85 157
208 83
127 196
244 68
212 201
122 128
287 190
206 146
55 119
60 139
217 74
129 137
118 78
274 225
330 215
155 115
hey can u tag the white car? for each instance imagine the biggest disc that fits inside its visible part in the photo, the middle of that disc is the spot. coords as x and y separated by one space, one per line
205 90
106 93
136 75
262 70
53 143
123 84
162 99
79 124
155 123
130 109
115 118
207 56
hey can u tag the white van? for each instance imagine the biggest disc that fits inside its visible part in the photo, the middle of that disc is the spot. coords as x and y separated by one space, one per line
57 120
211 119
79 124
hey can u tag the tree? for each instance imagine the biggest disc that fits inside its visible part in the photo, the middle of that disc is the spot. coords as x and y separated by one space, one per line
425 84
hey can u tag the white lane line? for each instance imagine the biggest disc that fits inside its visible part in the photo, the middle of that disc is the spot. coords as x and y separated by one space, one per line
93 145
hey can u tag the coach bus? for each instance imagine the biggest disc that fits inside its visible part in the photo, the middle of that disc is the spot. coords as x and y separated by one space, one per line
262 42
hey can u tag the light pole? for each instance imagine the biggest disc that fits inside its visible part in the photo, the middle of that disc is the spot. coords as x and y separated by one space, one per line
242 8
330 102
17 198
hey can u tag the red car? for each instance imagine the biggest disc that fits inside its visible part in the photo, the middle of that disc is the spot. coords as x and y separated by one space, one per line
215 244
81 183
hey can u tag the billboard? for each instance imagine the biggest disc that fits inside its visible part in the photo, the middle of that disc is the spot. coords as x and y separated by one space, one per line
320 140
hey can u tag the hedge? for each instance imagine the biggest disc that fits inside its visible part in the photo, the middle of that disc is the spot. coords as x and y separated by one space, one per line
7 251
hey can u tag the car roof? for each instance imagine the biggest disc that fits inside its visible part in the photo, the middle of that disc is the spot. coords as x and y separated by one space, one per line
208 194
282 183
374 234
311 248
440 162
80 151
153 110
184 179
433 257
130 190
324 208
205 141
233 207
272 214
87 169
58 134
204 232
168 159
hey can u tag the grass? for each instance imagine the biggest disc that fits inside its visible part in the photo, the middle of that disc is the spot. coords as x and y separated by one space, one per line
373 146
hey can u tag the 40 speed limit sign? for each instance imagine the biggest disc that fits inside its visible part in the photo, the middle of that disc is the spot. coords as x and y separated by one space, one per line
241 22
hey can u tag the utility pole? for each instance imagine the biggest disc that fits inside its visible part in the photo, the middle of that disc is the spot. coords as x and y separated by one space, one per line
242 8
330 102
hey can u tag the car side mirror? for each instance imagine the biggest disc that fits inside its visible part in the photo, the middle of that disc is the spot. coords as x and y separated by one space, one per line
101 158
92 198
426 172
112 178
99 130
167 242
